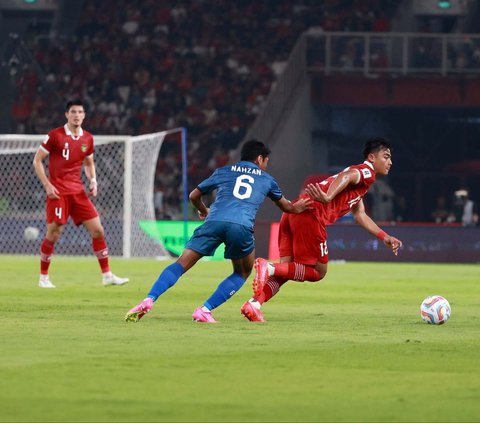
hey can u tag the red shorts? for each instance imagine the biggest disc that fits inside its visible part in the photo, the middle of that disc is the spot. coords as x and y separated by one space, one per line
78 206
303 238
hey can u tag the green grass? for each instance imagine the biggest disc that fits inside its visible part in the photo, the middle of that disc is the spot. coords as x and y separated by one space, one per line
349 348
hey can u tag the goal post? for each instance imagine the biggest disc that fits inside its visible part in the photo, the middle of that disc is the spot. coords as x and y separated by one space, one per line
125 168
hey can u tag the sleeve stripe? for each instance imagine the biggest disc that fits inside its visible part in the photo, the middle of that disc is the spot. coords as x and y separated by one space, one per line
44 149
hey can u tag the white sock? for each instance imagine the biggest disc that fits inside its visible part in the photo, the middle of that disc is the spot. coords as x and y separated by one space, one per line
271 269
255 303
205 309
108 274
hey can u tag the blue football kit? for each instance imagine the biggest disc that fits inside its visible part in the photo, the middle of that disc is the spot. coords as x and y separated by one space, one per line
241 189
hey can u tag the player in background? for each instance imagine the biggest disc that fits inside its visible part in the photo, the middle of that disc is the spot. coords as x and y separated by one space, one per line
302 238
68 148
241 189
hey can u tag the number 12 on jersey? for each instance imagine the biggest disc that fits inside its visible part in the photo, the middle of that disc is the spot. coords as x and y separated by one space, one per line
323 249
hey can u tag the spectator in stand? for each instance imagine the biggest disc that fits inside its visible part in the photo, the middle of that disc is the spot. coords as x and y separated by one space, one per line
440 213
464 211
168 65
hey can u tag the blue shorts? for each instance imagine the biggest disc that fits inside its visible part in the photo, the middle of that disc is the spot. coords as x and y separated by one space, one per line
238 239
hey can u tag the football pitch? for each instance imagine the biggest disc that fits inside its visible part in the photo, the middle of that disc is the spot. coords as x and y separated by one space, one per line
349 348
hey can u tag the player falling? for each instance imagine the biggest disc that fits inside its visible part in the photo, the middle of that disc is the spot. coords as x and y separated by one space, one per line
302 238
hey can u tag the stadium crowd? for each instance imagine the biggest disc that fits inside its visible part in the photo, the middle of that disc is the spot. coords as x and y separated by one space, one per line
205 65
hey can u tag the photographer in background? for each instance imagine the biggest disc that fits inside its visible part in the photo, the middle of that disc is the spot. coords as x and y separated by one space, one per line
464 210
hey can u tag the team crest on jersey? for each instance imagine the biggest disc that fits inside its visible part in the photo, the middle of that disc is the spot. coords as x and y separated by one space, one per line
84 148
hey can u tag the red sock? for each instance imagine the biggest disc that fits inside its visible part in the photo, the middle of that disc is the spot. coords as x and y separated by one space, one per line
297 272
46 252
272 286
101 251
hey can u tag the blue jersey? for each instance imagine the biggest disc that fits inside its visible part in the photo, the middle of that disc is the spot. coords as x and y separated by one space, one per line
242 188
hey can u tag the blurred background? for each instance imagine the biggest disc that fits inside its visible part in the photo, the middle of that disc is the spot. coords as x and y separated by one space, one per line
312 79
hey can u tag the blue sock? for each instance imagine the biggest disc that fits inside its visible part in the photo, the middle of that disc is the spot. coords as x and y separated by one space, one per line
225 290
167 279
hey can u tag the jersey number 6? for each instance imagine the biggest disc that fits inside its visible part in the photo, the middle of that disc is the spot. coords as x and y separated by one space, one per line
243 183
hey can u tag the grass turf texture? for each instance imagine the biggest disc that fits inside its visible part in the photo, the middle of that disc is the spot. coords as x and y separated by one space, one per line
349 348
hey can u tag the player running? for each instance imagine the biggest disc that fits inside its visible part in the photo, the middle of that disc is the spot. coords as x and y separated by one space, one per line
241 189
302 239
69 147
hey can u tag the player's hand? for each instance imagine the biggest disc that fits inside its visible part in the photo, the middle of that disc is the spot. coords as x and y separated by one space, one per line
93 188
316 193
52 192
394 243
203 215
302 204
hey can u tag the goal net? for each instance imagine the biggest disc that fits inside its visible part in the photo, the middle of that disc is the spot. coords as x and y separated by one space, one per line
125 168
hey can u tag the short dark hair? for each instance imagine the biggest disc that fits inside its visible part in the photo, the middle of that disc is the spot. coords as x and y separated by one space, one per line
375 144
76 102
252 149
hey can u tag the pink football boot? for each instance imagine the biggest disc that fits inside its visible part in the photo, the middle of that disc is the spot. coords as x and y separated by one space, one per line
203 316
137 312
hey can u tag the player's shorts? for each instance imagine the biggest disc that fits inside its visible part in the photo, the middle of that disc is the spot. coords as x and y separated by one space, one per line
78 206
238 239
303 238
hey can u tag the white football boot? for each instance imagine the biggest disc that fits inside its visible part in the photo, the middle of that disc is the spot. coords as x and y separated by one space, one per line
109 278
45 282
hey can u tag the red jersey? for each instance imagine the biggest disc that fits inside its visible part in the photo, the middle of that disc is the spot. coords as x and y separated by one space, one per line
66 155
344 201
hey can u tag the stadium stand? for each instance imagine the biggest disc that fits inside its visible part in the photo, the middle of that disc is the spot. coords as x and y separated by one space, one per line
208 66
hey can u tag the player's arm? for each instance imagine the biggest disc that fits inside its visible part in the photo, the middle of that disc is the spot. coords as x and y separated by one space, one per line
366 222
89 167
51 191
342 181
196 199
298 207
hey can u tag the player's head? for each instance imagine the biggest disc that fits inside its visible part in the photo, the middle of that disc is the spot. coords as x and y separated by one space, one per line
256 152
378 152
76 102
75 112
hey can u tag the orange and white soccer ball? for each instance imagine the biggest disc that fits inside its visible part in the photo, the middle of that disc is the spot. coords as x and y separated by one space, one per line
435 310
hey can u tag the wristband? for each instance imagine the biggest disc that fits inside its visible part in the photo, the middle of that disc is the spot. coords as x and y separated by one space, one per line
93 181
381 235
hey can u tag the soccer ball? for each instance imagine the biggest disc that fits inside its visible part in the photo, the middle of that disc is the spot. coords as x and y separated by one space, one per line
30 233
435 310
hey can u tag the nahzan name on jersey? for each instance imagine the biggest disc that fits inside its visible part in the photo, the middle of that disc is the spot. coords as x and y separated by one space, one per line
246 170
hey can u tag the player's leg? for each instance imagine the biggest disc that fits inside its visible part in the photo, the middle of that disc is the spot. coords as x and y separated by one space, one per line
47 247
263 269
172 273
201 243
84 212
100 249
303 246
240 249
265 286
304 257
57 211
167 278
252 308
307 245
227 288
